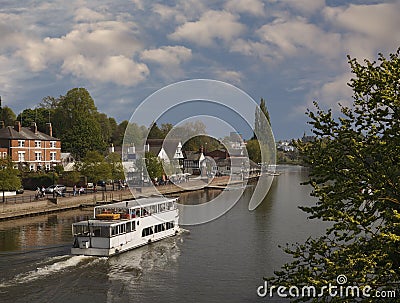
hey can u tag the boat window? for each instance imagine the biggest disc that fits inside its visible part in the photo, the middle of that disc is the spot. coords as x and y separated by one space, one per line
80 229
159 227
133 225
96 231
146 211
147 231
170 225
113 231
170 205
162 207
153 209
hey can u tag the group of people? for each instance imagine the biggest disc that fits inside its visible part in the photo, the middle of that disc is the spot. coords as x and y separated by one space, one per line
76 191
40 193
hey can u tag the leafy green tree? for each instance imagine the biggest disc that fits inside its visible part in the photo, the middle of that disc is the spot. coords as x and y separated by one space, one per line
155 132
355 174
261 124
94 167
7 115
76 124
119 132
115 163
9 177
39 115
253 150
153 165
202 141
105 127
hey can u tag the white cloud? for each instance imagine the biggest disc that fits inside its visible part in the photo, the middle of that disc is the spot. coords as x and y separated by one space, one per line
139 4
169 58
87 15
253 7
295 36
119 69
99 45
212 25
229 76
368 28
167 55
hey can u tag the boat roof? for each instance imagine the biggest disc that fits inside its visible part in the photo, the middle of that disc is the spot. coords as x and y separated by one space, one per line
137 202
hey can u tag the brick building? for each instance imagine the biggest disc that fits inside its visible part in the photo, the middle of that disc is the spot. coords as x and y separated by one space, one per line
29 147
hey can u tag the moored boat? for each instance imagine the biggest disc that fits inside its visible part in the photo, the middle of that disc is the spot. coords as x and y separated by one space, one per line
122 226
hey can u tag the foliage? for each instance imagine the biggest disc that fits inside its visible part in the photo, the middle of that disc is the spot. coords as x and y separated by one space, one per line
76 124
355 174
33 180
261 124
253 150
153 165
115 163
39 115
9 177
7 115
94 167
206 142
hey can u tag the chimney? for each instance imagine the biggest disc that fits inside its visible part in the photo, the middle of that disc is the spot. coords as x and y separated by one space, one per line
49 129
17 126
2 124
34 127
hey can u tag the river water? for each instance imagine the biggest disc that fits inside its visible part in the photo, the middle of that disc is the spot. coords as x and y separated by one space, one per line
220 261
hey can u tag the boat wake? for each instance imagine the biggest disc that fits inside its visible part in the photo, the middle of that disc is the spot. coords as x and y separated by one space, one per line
49 267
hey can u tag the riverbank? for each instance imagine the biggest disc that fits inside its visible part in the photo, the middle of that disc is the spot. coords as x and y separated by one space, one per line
46 206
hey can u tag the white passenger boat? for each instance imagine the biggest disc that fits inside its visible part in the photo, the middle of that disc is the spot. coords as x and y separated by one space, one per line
122 226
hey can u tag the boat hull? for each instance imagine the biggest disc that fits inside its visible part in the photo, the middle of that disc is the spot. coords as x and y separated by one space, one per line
108 252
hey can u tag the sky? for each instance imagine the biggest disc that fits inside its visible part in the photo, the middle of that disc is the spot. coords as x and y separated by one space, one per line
288 52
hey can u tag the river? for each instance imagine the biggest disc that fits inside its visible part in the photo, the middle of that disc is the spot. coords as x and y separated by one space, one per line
220 261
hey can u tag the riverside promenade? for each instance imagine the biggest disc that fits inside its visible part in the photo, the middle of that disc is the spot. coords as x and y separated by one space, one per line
9 211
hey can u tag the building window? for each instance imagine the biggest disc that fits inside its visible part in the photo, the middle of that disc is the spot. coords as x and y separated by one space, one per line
53 156
47 166
37 144
31 167
38 156
21 156
21 143
52 144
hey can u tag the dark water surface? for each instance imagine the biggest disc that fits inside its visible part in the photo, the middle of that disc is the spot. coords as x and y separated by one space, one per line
221 261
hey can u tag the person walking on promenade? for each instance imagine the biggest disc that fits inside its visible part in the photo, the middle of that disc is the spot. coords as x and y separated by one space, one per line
74 190
43 192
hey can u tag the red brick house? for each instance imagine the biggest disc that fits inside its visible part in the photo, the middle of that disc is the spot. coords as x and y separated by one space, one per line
29 147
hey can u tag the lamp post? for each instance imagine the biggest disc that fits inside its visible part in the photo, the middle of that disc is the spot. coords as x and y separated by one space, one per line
53 169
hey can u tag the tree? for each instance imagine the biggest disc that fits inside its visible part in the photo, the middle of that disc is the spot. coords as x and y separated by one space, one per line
9 177
94 167
38 115
253 150
105 127
355 174
76 124
261 124
115 163
153 165
7 115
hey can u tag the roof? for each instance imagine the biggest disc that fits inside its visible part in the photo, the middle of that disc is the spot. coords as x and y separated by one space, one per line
137 202
192 155
170 146
25 134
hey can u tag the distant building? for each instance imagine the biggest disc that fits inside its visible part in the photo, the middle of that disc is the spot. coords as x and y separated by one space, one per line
285 146
67 161
29 148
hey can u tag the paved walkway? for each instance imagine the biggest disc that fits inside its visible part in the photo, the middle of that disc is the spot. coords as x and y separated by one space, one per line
18 210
